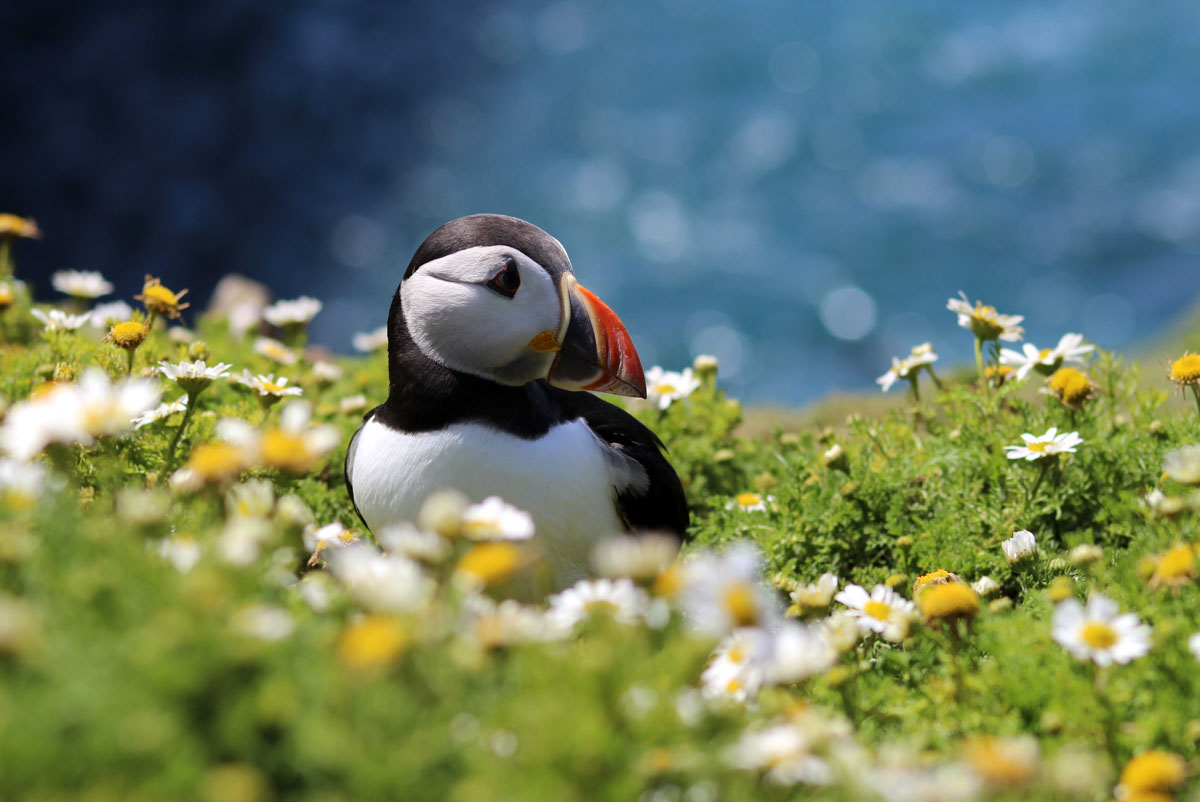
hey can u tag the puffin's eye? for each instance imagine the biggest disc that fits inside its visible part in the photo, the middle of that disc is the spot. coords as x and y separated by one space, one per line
508 280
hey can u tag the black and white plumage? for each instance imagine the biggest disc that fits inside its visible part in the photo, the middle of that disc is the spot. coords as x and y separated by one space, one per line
492 344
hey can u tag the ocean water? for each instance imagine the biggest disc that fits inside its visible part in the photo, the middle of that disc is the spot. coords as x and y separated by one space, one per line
794 188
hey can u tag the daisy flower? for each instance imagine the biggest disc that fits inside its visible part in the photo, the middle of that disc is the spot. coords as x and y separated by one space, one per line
267 386
496 625
181 551
294 447
326 372
86 284
1070 386
163 410
1070 348
1022 544
104 316
21 481
619 599
1185 370
193 377
263 621
415 544
985 586
665 386
275 351
318 538
1183 464
920 356
292 313
784 752
884 611
495 519
723 592
984 321
385 583
352 403
750 502
799 651
736 670
1098 632
641 557
159 300
372 340
58 320
819 594
1046 445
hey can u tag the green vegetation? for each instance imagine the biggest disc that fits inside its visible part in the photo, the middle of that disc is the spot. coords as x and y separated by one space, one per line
166 631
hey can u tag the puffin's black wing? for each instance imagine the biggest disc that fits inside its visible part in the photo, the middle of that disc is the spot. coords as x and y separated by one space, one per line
663 506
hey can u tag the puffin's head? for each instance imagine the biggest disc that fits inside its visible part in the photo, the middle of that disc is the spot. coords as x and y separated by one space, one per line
494 296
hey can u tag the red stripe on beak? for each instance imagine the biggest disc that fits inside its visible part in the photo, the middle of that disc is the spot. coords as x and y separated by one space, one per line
621 367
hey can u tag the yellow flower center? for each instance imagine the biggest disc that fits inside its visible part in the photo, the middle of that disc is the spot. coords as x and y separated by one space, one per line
1038 446
159 296
1098 635
669 581
1003 764
934 578
7 298
600 607
128 335
878 610
1045 353
733 686
1177 566
286 452
272 387
741 604
748 499
665 389
947 600
1070 385
984 323
1154 771
216 461
1186 369
490 562
372 641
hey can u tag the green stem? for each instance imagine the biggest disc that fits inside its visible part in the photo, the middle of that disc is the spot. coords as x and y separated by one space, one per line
132 353
6 266
936 381
1043 466
979 362
912 385
187 416
1196 394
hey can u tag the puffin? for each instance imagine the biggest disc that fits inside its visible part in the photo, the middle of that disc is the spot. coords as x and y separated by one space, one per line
495 351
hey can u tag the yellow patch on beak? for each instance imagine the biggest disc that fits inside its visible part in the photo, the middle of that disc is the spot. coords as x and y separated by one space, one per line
545 343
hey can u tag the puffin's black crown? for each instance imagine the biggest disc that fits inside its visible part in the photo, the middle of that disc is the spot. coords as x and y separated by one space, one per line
493 229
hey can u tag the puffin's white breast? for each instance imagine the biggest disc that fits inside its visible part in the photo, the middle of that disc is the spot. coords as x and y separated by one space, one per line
563 479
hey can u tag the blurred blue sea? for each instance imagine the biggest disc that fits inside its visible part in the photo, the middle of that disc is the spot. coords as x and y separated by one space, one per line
795 188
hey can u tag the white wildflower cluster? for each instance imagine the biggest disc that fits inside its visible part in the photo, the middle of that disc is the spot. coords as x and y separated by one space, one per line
75 412
292 313
1070 348
1044 446
84 284
921 357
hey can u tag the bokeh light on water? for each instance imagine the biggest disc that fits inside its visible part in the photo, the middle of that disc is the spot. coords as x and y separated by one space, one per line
797 190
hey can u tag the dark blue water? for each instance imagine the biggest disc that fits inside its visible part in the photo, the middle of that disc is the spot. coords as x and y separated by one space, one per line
796 189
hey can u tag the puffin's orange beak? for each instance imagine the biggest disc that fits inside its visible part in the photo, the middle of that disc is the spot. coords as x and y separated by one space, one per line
596 352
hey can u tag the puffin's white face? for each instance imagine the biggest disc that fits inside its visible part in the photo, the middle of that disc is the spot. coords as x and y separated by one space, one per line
490 311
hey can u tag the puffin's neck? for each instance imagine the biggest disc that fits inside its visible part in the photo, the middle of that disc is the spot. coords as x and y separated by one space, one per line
424 394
